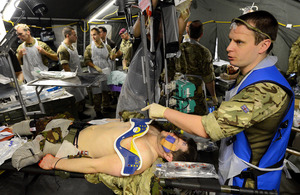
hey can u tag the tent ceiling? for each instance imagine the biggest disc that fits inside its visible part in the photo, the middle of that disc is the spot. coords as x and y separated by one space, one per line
67 9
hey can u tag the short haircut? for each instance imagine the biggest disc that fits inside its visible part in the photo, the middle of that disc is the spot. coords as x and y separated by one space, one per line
103 29
96 29
67 31
196 29
23 26
265 22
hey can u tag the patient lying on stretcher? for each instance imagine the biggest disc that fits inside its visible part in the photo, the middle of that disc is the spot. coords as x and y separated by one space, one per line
98 142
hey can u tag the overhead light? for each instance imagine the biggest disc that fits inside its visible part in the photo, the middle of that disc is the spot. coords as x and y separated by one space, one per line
102 10
10 8
2 30
2 4
249 9
37 7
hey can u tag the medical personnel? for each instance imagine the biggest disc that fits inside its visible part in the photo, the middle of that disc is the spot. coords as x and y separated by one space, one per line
195 62
125 49
69 59
96 57
32 54
254 122
103 33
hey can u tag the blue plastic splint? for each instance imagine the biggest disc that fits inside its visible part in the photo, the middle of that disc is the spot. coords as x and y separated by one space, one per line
131 160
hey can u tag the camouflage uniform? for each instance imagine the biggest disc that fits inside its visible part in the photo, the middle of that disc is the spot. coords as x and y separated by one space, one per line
126 49
195 60
294 59
63 54
88 52
266 103
42 45
99 98
64 57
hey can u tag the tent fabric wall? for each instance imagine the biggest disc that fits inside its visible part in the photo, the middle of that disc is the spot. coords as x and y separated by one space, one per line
223 11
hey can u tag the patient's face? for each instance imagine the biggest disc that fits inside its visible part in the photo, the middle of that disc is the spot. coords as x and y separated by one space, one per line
179 143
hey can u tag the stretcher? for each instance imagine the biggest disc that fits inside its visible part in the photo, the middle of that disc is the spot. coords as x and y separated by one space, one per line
192 184
209 185
32 173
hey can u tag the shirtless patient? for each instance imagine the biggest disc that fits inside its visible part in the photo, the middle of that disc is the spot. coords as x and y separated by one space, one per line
98 140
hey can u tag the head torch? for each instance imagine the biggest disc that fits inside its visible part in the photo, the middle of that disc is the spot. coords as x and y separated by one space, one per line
250 27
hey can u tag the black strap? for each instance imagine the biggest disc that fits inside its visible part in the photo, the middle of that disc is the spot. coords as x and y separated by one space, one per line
283 125
254 173
71 135
230 140
74 130
79 125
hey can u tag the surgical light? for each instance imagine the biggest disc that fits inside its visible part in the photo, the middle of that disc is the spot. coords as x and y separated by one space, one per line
37 7
9 9
2 4
2 30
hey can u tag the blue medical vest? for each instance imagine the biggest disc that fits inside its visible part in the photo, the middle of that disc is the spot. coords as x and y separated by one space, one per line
276 150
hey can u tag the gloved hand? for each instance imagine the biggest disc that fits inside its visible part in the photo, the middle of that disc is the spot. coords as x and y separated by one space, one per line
215 100
124 63
20 82
98 69
12 84
125 67
112 54
155 110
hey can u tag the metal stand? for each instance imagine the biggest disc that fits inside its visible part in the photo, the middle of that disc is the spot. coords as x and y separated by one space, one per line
145 59
4 48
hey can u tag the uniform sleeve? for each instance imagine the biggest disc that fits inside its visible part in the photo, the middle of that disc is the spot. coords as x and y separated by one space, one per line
181 62
45 59
17 51
251 106
108 48
207 72
88 54
122 46
63 55
19 47
46 47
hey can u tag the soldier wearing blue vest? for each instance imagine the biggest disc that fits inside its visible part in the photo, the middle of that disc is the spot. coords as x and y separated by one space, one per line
254 122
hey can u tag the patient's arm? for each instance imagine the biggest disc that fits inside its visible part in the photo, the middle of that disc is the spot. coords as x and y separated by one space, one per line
110 165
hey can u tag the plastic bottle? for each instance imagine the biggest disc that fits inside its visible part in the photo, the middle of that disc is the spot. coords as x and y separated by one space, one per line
180 169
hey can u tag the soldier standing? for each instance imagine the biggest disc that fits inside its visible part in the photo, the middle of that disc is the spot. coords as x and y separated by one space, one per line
196 63
255 121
